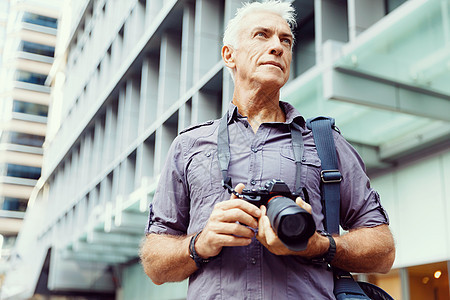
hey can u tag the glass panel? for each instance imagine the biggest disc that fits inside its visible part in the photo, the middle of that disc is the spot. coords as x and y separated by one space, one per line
409 46
304 52
14 204
355 121
22 139
429 282
38 49
390 282
39 20
30 108
31 77
23 171
412 47
393 4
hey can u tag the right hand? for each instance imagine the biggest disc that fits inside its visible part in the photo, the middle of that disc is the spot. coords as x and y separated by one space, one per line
226 226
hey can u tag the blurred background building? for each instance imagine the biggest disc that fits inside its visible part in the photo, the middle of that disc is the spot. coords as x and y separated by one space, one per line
129 75
27 43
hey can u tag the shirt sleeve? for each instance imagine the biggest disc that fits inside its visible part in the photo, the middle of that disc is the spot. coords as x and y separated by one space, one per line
169 210
360 203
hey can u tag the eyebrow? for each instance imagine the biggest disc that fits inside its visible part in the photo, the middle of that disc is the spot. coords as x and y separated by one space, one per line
267 29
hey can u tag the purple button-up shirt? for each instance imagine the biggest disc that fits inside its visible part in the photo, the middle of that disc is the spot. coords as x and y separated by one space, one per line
190 186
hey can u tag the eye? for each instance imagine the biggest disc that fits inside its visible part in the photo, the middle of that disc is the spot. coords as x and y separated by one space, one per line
261 34
286 41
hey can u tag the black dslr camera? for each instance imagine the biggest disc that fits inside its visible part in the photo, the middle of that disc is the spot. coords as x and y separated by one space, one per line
293 225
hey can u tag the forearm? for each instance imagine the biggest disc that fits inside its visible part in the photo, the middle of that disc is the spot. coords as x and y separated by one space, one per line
165 258
365 250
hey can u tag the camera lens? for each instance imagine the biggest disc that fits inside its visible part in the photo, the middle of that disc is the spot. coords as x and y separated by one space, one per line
293 225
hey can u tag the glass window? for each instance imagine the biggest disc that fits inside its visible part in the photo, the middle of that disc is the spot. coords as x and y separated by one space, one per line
304 51
429 282
23 171
30 108
25 139
14 204
32 18
30 77
393 4
390 282
38 49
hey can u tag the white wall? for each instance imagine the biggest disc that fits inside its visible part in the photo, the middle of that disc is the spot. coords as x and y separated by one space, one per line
417 199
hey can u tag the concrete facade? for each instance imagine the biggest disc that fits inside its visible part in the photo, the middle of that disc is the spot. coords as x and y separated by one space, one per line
129 75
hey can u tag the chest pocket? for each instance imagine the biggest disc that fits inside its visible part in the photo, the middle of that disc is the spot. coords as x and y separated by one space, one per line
310 169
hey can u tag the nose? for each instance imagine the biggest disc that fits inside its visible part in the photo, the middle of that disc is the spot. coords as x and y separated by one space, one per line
276 48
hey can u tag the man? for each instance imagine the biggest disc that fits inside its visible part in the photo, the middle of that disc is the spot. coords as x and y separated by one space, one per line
226 245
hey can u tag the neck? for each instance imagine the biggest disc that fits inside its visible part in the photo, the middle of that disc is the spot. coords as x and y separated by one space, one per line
259 106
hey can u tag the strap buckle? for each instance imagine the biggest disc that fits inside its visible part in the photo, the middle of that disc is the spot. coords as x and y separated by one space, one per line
226 183
331 176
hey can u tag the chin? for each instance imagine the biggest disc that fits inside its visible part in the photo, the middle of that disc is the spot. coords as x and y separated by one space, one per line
274 80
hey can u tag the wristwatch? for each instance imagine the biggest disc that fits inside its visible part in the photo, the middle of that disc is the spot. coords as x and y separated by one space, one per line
329 255
199 261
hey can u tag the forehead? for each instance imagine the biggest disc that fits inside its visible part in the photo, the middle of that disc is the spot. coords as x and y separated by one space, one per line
266 20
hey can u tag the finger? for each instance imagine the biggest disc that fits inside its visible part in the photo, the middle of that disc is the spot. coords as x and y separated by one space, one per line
303 204
261 228
239 204
265 227
231 240
210 244
231 229
240 216
236 215
239 188
268 231
237 229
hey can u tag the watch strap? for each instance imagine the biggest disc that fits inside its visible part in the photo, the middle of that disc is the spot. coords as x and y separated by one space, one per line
199 261
329 255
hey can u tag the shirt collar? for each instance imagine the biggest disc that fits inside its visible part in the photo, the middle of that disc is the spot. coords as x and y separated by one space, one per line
292 114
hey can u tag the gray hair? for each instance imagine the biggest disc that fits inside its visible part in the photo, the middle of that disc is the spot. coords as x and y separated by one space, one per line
283 9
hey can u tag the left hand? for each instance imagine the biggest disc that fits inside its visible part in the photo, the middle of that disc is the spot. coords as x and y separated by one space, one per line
317 244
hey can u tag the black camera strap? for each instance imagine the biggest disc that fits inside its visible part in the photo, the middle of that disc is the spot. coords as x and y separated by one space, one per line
224 153
345 287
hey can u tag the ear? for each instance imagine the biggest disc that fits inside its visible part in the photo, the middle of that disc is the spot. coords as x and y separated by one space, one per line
228 56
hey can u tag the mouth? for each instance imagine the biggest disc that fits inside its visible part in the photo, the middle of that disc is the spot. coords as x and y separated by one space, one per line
274 63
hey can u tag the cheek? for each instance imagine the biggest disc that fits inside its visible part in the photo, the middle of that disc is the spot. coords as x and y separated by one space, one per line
252 54
288 64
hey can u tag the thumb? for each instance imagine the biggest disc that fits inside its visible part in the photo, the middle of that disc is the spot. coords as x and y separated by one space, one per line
303 204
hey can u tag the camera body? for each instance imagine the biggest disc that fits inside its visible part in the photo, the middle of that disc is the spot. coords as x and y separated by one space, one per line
262 195
292 224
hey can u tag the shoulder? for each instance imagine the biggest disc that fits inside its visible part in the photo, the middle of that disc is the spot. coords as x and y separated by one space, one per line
197 134
199 127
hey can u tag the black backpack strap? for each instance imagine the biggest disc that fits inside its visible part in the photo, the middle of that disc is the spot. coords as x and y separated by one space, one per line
330 175
345 287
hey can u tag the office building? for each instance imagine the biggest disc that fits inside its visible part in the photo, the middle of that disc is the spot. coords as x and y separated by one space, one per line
27 41
129 75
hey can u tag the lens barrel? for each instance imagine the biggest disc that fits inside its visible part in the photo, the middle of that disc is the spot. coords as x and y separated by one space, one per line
293 225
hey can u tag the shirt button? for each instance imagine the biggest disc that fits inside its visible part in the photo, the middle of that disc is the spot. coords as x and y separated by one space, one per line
208 154
254 150
253 182
253 261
